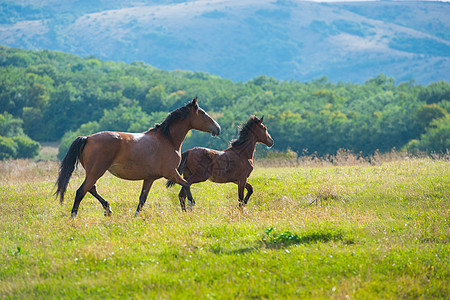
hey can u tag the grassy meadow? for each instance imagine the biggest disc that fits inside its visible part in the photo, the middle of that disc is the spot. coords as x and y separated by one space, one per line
346 231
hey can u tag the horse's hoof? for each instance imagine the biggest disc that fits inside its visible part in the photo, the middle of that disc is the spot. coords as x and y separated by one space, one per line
73 215
136 214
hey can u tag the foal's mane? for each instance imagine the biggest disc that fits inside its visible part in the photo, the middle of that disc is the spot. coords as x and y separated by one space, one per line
181 112
244 131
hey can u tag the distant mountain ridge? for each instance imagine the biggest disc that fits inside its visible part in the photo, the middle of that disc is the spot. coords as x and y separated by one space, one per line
289 40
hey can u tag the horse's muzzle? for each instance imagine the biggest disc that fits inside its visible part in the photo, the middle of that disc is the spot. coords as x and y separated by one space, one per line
269 143
215 131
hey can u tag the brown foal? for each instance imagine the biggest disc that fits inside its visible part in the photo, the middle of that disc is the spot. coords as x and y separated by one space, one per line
134 156
231 165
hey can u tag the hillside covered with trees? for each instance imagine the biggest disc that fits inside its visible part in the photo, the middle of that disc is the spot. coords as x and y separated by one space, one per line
349 41
54 96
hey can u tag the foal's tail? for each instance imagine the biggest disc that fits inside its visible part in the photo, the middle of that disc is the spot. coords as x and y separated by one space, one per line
180 169
68 165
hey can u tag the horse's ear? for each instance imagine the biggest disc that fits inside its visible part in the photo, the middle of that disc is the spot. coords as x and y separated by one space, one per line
261 120
194 102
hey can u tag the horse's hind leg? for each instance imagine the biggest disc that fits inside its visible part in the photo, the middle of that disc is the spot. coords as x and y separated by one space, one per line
104 203
78 197
86 186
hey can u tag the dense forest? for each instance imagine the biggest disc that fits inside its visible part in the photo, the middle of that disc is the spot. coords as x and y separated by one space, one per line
54 96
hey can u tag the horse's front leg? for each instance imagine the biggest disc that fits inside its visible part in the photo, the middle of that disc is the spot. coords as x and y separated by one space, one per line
144 193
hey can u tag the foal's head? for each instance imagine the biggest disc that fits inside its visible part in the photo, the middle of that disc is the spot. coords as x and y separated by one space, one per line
255 127
261 133
200 120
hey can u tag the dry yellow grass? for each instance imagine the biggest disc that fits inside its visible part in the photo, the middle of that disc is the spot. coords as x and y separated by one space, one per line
27 171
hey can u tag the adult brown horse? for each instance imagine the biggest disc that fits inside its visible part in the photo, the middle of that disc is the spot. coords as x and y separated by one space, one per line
231 165
134 156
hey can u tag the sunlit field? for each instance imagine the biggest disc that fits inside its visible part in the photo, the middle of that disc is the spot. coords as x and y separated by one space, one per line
378 230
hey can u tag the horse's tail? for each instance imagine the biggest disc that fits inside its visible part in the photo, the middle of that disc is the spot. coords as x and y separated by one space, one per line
180 169
68 165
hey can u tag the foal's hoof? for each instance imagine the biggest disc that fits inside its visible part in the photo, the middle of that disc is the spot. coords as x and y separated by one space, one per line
108 212
240 206
73 215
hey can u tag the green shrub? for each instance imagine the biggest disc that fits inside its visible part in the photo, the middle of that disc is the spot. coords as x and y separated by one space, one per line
10 126
26 147
8 148
435 139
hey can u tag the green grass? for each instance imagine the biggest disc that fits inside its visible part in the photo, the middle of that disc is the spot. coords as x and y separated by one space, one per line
371 232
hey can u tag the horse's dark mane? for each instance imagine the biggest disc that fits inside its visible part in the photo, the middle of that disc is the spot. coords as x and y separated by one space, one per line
244 131
181 112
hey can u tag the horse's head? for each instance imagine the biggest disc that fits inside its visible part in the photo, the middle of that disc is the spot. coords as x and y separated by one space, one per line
261 133
200 120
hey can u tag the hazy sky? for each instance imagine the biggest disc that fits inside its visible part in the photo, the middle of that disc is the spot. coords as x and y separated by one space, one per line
376 0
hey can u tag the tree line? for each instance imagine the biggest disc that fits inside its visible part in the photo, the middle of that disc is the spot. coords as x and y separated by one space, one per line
53 96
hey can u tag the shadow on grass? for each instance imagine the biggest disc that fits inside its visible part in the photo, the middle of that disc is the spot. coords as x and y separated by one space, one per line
273 240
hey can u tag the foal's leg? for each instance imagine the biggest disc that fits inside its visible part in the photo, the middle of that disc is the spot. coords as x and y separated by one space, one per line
241 186
176 177
182 194
249 188
194 178
104 203
144 193
182 197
